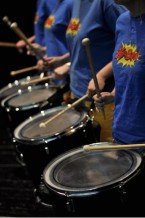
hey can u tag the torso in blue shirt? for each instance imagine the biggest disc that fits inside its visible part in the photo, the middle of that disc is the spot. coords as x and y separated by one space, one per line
95 20
44 9
55 28
129 73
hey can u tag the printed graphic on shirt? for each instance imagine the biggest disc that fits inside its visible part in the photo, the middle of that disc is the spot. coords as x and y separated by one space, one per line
36 18
49 22
73 26
127 55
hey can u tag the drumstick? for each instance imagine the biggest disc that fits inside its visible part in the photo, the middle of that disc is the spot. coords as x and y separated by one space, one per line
13 73
69 106
37 80
108 147
7 44
86 43
15 28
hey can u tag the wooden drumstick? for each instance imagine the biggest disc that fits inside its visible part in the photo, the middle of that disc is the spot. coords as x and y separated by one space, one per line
13 73
8 44
7 21
69 106
110 147
14 26
37 80
86 43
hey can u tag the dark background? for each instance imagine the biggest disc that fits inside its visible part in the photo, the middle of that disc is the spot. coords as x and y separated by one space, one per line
22 12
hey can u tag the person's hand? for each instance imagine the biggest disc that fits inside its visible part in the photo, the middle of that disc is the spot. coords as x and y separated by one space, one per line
62 71
20 45
106 98
38 48
55 61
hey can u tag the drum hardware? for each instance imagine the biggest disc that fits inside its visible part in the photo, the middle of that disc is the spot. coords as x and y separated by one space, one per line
47 150
86 43
70 206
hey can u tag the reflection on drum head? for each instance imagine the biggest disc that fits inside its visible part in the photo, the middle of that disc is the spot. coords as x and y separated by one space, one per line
90 170
67 120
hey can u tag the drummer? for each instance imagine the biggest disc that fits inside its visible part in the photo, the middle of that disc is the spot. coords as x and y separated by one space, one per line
100 28
43 10
55 40
128 66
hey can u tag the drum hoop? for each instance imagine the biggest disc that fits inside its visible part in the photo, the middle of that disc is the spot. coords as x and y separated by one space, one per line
75 191
45 140
13 84
6 100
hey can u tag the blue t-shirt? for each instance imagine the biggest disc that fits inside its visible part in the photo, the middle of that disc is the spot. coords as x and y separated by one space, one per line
43 10
55 31
96 20
55 28
129 74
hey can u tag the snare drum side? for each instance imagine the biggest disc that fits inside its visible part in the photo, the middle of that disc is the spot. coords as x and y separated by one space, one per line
94 183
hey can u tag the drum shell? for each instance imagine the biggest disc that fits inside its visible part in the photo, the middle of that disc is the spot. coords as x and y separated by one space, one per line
17 114
6 91
123 198
37 154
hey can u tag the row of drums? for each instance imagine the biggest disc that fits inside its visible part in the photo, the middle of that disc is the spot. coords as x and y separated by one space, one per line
68 180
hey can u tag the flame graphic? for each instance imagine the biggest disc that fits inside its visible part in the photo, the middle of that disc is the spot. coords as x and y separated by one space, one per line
127 55
49 22
73 26
36 18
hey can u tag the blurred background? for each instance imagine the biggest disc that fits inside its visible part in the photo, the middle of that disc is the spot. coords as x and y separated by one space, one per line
21 12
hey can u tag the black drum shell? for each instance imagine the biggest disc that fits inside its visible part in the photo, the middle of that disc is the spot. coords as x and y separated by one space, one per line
9 89
17 114
121 197
37 153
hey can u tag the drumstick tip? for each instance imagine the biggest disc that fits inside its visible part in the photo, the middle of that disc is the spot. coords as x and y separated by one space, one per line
5 18
12 73
14 25
42 125
86 147
86 41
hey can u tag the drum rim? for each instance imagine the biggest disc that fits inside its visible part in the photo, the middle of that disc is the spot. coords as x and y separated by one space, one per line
3 89
5 101
17 131
50 167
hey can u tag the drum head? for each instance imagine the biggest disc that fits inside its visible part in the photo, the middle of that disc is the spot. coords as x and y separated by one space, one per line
33 95
31 130
78 170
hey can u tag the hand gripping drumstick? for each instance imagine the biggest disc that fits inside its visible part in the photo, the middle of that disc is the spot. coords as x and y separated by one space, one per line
14 26
69 106
8 44
86 43
13 73
94 146
33 81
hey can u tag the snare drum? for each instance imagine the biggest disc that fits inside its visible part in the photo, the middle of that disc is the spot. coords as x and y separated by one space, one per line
39 145
6 91
28 102
95 183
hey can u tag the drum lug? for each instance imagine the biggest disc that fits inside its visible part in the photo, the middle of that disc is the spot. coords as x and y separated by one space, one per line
123 193
70 206
47 150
